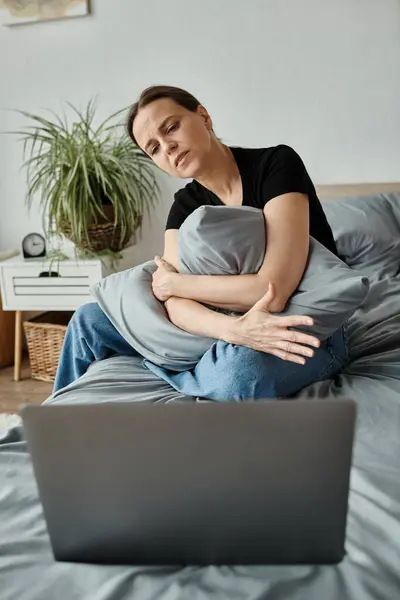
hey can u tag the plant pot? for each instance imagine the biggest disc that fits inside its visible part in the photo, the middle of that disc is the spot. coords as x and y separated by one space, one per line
102 234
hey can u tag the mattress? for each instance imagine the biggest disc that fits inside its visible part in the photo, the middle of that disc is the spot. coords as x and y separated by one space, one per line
371 567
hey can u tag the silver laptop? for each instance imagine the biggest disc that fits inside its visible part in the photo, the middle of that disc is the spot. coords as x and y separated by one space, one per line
208 483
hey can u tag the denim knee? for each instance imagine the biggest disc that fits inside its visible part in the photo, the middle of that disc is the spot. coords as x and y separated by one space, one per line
85 316
244 374
241 373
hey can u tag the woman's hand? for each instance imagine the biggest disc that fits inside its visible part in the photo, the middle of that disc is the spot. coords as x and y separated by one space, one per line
260 330
163 279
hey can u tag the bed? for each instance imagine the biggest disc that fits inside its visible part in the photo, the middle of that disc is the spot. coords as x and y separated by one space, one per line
371 568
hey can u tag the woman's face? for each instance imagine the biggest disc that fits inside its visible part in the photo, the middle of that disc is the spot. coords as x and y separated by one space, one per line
175 138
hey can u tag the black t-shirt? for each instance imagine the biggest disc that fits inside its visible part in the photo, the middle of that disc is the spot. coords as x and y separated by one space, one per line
265 173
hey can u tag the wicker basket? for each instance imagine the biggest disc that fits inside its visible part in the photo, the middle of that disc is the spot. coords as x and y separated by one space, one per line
45 336
103 234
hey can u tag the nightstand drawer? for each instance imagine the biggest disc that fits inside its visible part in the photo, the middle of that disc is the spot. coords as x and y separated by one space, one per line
29 286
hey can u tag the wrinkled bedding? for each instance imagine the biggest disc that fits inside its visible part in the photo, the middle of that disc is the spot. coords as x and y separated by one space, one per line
367 232
370 570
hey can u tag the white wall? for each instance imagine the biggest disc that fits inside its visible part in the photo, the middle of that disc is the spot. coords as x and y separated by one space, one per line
321 75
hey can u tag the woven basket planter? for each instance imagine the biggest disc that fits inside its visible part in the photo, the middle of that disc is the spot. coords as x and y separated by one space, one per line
45 337
102 235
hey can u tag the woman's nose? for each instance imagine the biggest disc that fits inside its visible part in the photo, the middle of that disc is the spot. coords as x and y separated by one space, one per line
170 147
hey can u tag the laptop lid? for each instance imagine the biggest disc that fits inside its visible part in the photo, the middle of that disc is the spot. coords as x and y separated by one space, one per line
194 483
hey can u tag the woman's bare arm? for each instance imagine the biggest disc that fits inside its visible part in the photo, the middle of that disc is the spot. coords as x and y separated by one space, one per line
171 255
287 234
257 329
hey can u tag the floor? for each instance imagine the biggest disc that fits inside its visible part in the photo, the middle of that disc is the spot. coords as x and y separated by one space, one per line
27 391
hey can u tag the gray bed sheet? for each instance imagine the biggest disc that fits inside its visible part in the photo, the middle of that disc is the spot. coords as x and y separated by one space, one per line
371 568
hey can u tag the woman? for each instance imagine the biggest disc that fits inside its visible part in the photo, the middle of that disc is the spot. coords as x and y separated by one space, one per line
176 132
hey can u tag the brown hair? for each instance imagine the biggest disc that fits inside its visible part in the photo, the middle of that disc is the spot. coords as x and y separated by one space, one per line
156 92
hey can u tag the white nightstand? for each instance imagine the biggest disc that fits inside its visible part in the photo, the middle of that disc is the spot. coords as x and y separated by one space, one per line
26 285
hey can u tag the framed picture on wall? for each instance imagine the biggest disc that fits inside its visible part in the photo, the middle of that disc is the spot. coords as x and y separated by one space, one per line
15 12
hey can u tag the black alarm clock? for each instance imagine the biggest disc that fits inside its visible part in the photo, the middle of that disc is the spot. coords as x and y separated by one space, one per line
34 246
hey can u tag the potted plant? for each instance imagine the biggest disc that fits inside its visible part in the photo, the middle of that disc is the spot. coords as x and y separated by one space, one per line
92 183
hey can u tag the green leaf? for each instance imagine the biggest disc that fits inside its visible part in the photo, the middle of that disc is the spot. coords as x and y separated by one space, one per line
72 166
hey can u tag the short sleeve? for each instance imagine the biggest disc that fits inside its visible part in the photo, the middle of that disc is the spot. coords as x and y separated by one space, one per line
282 172
176 216
186 201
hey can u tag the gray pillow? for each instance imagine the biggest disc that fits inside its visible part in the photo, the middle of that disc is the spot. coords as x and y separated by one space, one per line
367 232
223 240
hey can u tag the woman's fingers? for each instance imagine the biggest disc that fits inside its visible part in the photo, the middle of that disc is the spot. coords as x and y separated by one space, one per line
299 338
292 348
296 336
294 321
288 345
292 352
287 356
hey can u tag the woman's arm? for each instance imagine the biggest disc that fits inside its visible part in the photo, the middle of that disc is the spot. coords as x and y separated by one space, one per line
287 234
171 255
257 329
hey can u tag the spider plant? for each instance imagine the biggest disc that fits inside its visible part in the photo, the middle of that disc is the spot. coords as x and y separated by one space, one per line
92 183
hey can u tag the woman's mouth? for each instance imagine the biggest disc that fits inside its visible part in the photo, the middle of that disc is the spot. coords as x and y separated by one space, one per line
181 158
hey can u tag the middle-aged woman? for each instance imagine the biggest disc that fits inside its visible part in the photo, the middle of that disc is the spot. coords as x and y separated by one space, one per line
260 351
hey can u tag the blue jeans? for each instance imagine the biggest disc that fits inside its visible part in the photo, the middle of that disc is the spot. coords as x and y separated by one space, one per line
225 372
90 336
